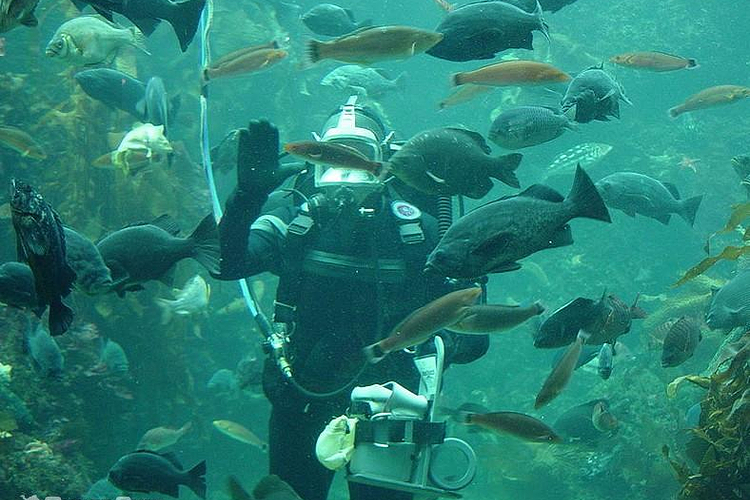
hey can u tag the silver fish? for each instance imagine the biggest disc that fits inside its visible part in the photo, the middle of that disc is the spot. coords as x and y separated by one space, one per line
89 40
586 154
191 299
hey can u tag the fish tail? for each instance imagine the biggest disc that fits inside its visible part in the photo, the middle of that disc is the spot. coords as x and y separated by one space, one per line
313 51
60 318
504 169
585 198
692 64
139 40
457 79
689 208
205 240
185 20
463 417
374 353
674 112
166 310
196 479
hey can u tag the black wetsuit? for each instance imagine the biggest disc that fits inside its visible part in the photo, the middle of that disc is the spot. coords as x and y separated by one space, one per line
352 279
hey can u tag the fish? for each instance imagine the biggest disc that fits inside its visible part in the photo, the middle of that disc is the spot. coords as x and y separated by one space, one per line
680 342
604 361
102 489
445 5
602 419
142 147
479 30
593 95
46 355
374 44
155 105
730 304
92 274
145 251
493 237
114 88
40 241
365 81
333 154
576 424
450 160
561 373
490 318
88 40
527 126
223 381
421 324
240 433
2 46
654 61
505 73
635 193
603 320
463 94
274 488
21 142
520 425
112 358
147 471
711 97
585 154
555 5
158 438
244 61
17 13
146 14
17 287
192 299
328 19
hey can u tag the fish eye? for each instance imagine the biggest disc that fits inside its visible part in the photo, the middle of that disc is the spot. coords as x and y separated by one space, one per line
59 44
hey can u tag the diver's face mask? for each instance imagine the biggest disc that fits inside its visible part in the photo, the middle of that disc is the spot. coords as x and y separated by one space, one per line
357 128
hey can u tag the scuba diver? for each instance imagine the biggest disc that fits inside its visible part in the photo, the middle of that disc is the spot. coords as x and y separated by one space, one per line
349 250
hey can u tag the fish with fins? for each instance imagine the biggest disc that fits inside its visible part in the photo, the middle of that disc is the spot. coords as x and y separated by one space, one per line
147 14
451 160
495 236
147 471
561 373
41 243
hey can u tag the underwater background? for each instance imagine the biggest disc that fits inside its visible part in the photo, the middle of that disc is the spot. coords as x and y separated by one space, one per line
70 430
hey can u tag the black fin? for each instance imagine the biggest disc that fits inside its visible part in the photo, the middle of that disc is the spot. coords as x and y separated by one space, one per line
663 218
506 267
504 169
586 198
185 21
197 479
206 244
689 208
60 318
236 491
30 20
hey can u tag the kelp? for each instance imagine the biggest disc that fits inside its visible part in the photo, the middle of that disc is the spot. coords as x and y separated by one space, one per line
729 253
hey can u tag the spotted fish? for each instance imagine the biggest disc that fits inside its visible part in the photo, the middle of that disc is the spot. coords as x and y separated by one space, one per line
585 154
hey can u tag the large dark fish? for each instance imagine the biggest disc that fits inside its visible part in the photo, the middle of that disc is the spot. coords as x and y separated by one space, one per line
146 14
331 20
595 95
17 12
480 30
17 287
526 126
604 320
41 243
92 274
635 193
730 304
145 252
147 471
492 238
114 88
680 342
448 161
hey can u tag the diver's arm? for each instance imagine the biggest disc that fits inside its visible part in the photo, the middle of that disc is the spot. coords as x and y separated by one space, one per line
245 252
